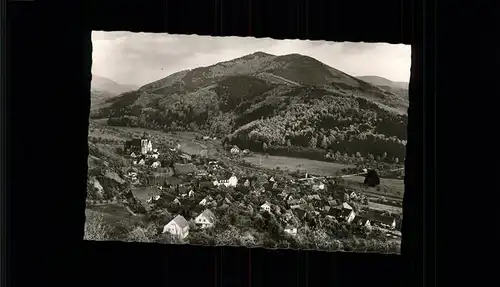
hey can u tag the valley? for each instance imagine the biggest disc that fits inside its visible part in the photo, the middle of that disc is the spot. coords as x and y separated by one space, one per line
258 146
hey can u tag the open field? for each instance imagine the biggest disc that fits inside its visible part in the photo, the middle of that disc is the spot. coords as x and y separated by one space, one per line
390 188
105 136
114 214
312 166
385 207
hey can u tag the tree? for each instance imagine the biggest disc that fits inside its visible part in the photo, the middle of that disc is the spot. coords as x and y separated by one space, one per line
346 157
372 179
288 143
370 156
96 228
324 142
396 160
358 154
139 234
313 143
264 147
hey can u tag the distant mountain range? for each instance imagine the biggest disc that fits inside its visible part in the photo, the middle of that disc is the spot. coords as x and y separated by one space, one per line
287 102
398 88
103 89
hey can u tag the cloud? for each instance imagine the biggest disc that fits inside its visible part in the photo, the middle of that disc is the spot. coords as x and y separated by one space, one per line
140 58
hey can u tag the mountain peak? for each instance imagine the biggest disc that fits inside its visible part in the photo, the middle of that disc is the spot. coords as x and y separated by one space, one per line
102 84
262 54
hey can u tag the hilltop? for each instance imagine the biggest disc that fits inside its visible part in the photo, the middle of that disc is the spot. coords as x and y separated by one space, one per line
103 89
398 88
102 84
289 103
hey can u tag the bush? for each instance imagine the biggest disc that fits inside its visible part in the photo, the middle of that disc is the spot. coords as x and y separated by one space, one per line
97 229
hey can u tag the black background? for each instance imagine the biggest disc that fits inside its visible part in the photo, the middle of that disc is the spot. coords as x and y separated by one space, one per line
46 108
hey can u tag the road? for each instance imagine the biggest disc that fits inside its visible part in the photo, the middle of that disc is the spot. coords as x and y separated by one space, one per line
346 175
284 80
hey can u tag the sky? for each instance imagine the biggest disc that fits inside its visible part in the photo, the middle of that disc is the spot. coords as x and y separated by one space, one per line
140 58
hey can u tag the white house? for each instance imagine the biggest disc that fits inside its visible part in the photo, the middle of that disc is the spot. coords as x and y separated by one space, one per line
346 205
206 219
235 150
176 201
156 164
320 186
232 181
146 145
266 207
362 221
205 200
353 195
348 215
191 193
291 230
141 162
133 155
177 227
272 179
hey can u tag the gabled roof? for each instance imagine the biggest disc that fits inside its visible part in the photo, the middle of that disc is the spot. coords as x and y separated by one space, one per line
346 212
345 205
361 220
208 215
180 221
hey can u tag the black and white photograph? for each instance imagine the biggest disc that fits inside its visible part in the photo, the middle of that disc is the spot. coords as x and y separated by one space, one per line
242 141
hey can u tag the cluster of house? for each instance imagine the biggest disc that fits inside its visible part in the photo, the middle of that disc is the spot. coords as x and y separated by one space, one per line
235 150
179 226
141 151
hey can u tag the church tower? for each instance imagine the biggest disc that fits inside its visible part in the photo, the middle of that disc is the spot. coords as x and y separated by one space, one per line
146 145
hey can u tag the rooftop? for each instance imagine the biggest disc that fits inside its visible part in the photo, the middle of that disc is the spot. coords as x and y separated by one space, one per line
180 221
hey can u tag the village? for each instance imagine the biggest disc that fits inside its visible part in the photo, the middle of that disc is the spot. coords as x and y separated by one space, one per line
198 193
